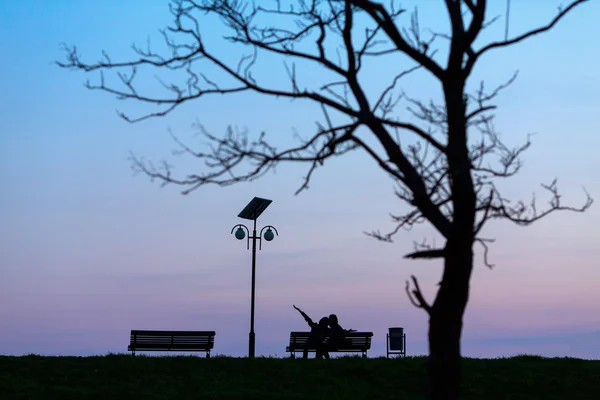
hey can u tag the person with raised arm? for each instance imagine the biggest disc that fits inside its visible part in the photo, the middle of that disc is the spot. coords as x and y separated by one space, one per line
318 331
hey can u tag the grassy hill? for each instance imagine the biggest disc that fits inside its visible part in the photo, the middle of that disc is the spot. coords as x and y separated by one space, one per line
188 377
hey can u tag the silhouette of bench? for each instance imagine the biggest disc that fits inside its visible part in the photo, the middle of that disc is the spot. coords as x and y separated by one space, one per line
351 342
172 341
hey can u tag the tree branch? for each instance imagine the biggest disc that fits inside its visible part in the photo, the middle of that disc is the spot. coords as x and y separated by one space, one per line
416 297
383 19
505 43
423 166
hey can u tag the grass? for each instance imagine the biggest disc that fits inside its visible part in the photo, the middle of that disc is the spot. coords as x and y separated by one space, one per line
121 376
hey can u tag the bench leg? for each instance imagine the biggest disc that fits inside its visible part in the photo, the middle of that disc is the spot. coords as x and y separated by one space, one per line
208 354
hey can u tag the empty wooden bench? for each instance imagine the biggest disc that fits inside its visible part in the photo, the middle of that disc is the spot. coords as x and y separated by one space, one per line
351 342
172 341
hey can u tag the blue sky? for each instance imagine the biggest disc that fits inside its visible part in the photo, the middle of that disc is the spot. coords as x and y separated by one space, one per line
88 251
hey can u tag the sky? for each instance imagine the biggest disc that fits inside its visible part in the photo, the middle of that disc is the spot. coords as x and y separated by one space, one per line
90 251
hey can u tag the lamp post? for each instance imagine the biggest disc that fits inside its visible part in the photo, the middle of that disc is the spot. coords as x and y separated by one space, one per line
251 212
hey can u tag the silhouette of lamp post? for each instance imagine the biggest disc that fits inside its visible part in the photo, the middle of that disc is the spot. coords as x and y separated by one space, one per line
251 212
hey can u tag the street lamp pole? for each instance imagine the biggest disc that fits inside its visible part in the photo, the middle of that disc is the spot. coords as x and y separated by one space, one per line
252 337
252 211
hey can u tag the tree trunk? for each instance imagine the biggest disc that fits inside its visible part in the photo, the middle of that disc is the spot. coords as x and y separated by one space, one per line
445 323
446 313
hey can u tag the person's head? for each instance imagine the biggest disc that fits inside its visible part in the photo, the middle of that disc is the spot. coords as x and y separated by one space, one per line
324 322
333 319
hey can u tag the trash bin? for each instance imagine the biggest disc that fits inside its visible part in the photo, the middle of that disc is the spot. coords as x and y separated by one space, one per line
396 341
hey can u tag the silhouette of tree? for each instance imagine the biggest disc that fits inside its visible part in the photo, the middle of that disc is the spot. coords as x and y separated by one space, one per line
446 157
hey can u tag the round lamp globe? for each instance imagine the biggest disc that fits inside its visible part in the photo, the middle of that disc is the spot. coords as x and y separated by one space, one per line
240 234
269 235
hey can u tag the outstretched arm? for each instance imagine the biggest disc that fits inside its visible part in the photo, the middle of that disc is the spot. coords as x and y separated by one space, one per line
306 317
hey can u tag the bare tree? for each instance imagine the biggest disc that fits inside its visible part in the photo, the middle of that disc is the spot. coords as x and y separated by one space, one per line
445 157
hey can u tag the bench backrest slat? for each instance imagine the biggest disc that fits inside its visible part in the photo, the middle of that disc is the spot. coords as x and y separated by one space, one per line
173 333
349 340
170 340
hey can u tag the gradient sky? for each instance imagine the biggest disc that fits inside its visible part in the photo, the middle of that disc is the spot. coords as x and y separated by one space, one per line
88 251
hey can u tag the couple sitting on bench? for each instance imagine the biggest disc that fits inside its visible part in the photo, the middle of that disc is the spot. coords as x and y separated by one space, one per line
327 327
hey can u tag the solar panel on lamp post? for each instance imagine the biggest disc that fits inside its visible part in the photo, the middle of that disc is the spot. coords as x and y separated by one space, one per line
251 212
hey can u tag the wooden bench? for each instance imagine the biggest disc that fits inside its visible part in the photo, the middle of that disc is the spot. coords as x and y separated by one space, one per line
351 342
172 341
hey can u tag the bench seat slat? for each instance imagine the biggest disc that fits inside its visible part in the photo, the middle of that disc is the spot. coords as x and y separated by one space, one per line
141 340
170 346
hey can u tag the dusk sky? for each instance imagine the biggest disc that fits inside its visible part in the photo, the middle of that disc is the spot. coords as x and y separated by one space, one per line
88 251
